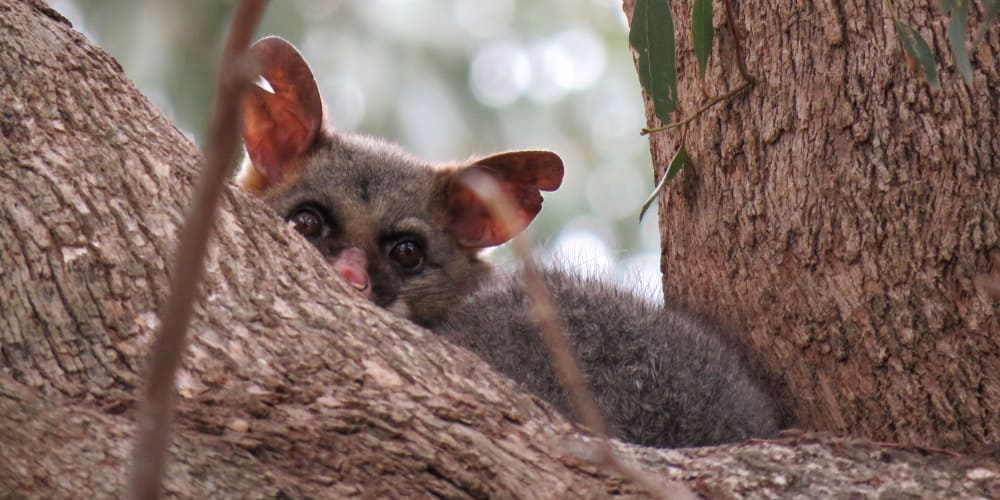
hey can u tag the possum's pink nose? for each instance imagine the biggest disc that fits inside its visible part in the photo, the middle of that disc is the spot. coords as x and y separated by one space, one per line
352 265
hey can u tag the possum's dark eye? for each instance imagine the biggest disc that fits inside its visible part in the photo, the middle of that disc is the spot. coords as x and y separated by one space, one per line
408 254
308 222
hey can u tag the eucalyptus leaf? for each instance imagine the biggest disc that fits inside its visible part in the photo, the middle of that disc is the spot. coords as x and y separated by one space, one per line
958 31
702 32
917 48
676 163
652 37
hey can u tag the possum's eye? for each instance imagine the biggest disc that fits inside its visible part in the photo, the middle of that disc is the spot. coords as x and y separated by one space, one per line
308 222
408 254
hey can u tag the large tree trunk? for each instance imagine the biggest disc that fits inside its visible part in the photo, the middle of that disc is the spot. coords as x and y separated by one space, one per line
841 210
290 387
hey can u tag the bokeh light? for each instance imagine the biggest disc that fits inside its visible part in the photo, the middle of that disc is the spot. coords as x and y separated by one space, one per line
485 20
499 74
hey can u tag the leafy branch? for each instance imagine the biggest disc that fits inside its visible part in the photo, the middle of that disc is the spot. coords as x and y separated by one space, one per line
656 66
652 37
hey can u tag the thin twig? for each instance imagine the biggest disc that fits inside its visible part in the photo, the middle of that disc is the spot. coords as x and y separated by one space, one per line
561 353
149 455
740 63
922 449
698 113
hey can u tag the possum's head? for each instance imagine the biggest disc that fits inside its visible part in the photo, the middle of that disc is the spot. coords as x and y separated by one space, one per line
405 233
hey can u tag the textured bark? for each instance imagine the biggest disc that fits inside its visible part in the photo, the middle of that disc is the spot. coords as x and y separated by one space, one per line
290 387
79 451
840 211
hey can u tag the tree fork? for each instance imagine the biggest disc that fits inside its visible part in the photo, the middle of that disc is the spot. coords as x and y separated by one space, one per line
290 385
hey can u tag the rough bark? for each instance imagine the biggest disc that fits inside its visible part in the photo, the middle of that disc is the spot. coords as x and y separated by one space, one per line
841 211
290 387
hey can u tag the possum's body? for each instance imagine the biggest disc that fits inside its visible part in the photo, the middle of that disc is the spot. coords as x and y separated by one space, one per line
406 234
662 376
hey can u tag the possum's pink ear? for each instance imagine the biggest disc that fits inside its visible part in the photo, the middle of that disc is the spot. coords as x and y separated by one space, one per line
282 114
520 176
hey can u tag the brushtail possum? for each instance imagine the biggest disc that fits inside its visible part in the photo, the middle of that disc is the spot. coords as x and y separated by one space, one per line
407 234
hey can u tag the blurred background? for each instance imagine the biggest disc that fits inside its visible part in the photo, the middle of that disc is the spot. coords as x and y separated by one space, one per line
446 79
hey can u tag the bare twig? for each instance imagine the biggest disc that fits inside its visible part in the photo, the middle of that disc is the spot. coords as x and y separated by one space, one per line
561 353
921 449
698 113
156 414
737 39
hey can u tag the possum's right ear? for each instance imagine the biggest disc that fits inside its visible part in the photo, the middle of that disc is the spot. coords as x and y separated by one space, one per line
282 115
520 177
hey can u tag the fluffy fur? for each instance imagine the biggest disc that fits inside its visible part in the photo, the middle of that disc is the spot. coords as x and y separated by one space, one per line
662 376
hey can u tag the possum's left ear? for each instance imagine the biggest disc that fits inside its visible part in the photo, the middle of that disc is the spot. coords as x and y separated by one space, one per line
520 176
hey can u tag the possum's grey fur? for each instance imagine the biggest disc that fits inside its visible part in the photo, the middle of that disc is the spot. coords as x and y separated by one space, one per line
662 376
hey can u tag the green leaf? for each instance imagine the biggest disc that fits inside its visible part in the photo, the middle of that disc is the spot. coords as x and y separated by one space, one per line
992 10
652 36
678 161
957 33
702 32
917 48
947 5
680 158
